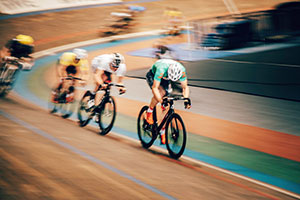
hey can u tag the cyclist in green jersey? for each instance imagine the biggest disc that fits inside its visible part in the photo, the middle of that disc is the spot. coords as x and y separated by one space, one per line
159 79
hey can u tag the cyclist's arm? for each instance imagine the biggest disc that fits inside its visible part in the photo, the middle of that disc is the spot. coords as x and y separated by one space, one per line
185 89
4 53
84 70
60 70
122 88
98 76
186 93
120 80
79 73
156 92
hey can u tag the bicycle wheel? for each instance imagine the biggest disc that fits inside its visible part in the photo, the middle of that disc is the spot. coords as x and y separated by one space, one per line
175 136
3 90
53 107
67 106
8 78
145 131
84 112
67 109
107 116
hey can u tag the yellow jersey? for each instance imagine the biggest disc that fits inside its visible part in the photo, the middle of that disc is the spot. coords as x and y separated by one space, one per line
68 59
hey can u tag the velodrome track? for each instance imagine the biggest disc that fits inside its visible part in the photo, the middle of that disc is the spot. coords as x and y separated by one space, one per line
37 92
68 140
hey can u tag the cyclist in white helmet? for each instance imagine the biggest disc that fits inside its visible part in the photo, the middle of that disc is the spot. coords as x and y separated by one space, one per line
158 78
106 65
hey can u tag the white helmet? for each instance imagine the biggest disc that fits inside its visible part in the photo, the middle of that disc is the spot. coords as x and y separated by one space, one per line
174 72
80 53
116 60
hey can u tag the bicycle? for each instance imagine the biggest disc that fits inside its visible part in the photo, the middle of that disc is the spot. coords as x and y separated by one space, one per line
62 100
105 111
9 71
175 131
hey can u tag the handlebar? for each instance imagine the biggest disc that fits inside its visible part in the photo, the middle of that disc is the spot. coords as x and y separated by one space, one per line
11 59
114 84
169 100
108 86
175 98
72 78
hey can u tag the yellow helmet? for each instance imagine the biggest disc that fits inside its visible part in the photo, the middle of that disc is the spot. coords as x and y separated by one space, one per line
25 39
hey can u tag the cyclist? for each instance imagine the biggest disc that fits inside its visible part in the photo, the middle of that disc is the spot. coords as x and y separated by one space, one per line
20 47
71 64
159 78
103 66
163 52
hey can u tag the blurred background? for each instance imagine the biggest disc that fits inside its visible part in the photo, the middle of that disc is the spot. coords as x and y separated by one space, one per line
243 66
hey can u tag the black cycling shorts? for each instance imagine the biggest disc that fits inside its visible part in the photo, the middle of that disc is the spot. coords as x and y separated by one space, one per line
71 69
108 75
150 78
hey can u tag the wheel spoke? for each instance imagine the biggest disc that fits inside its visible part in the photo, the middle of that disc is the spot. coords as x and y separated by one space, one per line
176 136
145 133
107 116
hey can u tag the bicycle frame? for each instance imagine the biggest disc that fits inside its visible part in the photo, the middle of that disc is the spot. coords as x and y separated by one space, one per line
159 126
174 133
66 83
104 98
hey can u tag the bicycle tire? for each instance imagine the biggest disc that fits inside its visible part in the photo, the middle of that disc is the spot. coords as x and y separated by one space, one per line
67 109
84 113
7 81
175 136
145 131
52 107
107 116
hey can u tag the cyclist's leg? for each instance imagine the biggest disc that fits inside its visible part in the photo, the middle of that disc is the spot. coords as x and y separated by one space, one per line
70 94
149 113
69 85
165 87
106 78
55 92
153 102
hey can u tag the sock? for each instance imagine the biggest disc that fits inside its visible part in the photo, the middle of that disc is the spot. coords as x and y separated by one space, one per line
150 110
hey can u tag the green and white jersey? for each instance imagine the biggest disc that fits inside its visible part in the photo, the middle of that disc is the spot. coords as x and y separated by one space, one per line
160 69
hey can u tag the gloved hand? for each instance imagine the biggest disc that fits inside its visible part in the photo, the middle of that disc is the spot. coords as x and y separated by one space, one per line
122 90
103 86
187 103
82 83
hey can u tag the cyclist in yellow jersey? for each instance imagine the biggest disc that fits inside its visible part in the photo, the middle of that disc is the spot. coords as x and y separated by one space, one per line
71 64
21 47
77 58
